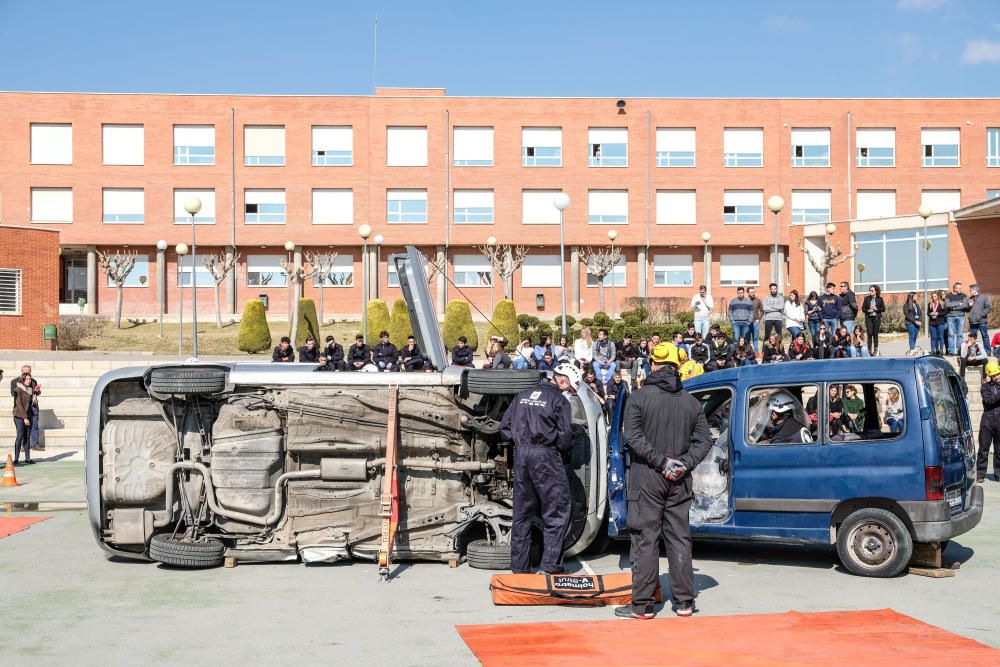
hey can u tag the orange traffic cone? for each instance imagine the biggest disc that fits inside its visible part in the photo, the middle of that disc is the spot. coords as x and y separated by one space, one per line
8 474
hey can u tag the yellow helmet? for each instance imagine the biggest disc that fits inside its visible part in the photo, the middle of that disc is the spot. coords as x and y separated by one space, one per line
992 368
665 353
690 369
682 354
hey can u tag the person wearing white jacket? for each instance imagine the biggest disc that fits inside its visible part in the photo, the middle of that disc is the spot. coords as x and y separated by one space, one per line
583 349
795 314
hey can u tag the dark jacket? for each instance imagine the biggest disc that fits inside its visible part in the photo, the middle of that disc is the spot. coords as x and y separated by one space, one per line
283 355
308 356
814 311
662 421
913 314
385 353
957 303
627 352
721 348
539 417
936 314
848 305
788 432
867 304
700 353
502 361
23 397
773 354
461 356
829 306
979 311
335 353
823 346
358 353
794 351
990 392
758 309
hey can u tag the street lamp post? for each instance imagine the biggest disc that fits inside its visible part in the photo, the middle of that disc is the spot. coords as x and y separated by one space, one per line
161 286
925 211
181 250
192 205
707 261
612 235
379 240
364 231
776 203
561 201
491 242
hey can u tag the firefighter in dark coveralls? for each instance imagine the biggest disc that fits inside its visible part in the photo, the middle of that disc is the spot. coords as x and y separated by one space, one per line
539 422
668 437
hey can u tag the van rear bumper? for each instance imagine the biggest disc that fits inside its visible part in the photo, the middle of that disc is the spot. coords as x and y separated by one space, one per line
940 530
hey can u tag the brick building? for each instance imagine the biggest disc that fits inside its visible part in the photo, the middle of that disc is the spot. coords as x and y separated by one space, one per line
446 173
29 285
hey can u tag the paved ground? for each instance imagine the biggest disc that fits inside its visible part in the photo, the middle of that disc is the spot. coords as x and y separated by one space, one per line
63 601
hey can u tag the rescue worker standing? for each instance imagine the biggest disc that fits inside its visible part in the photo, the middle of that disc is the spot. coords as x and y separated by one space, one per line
668 437
539 421
989 425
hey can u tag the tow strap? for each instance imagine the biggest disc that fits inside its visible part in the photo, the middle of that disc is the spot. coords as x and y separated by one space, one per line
389 507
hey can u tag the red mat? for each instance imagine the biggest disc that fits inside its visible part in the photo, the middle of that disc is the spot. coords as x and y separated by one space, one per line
15 524
881 637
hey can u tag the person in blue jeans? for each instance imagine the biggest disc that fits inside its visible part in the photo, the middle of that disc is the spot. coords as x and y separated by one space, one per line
848 306
957 303
813 314
829 309
937 315
758 315
894 411
979 314
914 316
741 315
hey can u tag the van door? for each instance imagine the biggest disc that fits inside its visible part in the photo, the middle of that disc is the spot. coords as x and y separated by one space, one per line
948 443
711 479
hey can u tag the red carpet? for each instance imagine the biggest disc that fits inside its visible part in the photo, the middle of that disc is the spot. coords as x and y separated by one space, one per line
15 524
881 637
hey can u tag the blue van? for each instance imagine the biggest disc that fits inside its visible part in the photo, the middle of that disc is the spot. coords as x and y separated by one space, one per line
886 460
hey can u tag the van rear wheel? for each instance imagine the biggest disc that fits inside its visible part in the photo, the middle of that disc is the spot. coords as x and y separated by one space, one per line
874 542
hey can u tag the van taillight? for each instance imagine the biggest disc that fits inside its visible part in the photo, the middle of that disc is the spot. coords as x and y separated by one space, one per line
934 482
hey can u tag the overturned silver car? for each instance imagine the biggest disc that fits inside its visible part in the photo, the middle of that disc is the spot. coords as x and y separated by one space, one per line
193 462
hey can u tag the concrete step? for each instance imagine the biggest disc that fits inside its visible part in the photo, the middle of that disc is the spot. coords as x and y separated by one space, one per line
60 437
74 417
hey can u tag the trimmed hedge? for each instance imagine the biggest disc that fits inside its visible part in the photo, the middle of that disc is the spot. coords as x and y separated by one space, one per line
254 335
505 322
458 322
308 324
378 320
399 324
570 321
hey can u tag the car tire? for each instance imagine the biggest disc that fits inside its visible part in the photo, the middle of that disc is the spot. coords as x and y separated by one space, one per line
179 552
484 555
874 542
187 380
500 383
601 541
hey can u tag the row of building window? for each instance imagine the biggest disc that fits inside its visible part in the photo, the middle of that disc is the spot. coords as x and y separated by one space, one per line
409 206
333 146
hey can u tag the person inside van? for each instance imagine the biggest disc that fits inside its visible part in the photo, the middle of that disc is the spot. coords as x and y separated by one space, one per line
783 427
836 411
853 417
893 414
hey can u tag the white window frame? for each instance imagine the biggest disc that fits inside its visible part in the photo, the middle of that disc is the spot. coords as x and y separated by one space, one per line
934 198
207 214
56 202
264 266
51 143
406 146
931 139
743 147
544 138
342 276
125 153
676 207
804 138
465 266
541 271
329 148
535 203
473 147
608 207
11 291
993 147
811 206
676 147
666 264
104 207
339 210
744 210
199 156
869 139
617 278
271 213
742 261
272 159
473 207
600 139
201 273
134 278
394 208
873 194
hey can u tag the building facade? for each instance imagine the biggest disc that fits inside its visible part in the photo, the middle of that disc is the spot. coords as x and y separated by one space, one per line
29 286
685 184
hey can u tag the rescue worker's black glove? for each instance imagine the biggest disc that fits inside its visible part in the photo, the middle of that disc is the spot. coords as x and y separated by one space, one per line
674 470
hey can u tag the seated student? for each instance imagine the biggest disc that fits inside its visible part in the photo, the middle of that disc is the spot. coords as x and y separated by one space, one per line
545 344
689 337
842 343
386 354
678 341
284 352
720 349
859 346
590 379
626 352
853 417
309 353
743 354
700 352
410 357
893 414
324 363
335 354
614 387
773 351
461 354
783 427
799 350
823 345
547 362
524 355
972 353
995 345
358 356
496 356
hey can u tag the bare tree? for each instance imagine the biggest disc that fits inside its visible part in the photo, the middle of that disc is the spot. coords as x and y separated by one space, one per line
831 257
296 274
220 266
432 267
323 266
505 260
601 263
117 267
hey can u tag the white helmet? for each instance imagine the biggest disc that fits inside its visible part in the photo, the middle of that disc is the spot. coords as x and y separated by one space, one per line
570 372
781 402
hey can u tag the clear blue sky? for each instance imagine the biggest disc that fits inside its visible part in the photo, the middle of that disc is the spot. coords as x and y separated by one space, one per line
874 48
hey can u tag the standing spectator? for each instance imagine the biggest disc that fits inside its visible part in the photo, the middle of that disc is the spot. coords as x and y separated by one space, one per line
823 345
829 304
702 306
813 315
335 354
309 353
627 353
583 349
283 352
859 346
741 314
461 354
385 354
358 355
774 351
700 352
848 306
989 424
774 312
604 355
842 343
957 304
893 414
913 315
937 315
758 314
410 357
873 307
563 352
979 314
972 354
36 391
795 315
799 350
524 355
24 397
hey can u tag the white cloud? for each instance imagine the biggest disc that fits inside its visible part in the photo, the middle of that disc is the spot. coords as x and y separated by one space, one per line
783 23
979 51
921 5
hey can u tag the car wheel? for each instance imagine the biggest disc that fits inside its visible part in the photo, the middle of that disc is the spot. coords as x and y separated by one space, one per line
874 542
500 383
601 541
484 555
179 552
187 380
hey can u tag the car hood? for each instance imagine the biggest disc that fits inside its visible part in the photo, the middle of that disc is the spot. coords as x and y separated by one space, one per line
423 315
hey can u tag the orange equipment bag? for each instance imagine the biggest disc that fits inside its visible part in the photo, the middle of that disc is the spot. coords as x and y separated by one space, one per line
587 590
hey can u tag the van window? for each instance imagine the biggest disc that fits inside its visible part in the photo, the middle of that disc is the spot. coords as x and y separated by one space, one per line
865 411
947 419
776 415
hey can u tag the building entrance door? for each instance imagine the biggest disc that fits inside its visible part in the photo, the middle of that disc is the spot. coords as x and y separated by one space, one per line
73 282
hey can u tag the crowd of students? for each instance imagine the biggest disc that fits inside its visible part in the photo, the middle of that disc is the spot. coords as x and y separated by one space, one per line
384 357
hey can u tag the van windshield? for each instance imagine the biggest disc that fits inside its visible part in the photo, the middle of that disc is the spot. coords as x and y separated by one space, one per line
947 418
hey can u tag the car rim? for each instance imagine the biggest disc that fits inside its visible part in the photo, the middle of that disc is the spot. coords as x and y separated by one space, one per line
872 545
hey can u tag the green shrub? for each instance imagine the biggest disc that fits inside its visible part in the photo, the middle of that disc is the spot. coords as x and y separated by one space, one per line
602 319
399 324
458 322
641 313
631 320
308 324
505 322
254 335
378 320
526 321
684 317
570 321
586 322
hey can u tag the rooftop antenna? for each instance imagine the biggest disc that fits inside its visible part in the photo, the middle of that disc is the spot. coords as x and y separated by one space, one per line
375 56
